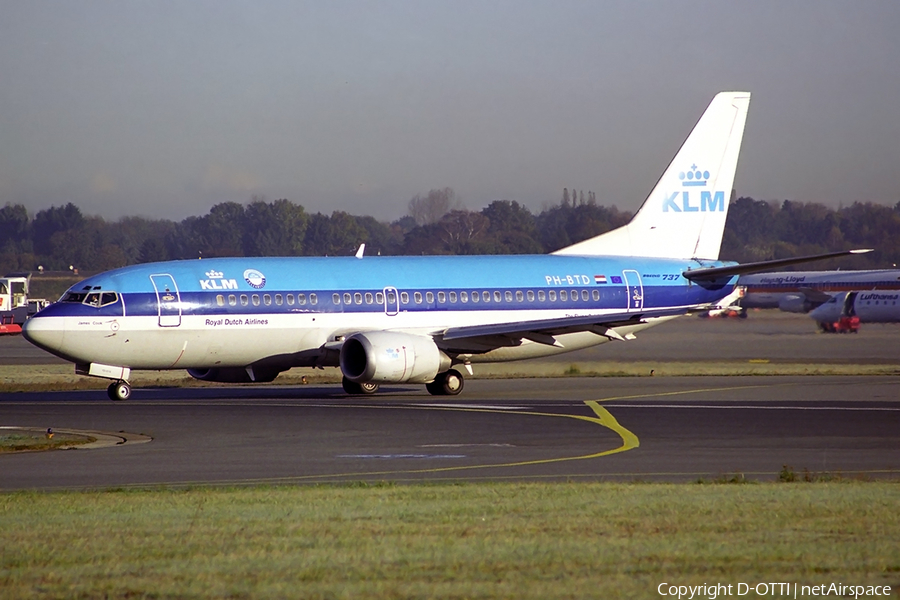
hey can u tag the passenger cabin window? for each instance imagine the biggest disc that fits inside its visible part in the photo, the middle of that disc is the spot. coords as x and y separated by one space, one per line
220 300
452 296
255 298
379 297
475 297
442 297
290 299
552 294
336 298
370 298
313 299
418 297
496 296
347 298
486 296
357 298
563 295
429 297
404 297
279 300
520 297
232 300
595 295
530 295
584 295
267 299
463 297
507 295
244 300
541 296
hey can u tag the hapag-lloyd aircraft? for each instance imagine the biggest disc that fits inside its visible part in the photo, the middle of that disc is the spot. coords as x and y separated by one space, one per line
415 319
803 291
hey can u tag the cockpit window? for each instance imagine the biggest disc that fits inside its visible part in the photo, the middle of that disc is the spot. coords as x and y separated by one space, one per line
95 299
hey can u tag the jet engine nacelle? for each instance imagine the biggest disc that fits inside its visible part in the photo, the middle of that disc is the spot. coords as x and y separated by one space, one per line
386 357
794 303
234 375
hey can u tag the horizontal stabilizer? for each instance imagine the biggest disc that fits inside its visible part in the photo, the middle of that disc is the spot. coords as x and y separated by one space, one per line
711 273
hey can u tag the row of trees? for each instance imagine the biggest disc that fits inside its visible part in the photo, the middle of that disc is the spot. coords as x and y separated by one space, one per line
58 237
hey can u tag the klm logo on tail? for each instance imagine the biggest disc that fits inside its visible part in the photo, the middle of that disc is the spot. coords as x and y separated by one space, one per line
708 201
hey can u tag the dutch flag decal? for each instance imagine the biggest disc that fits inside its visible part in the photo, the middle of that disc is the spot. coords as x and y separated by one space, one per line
599 278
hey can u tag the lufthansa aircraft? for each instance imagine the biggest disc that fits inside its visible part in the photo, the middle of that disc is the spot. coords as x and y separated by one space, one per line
803 291
878 306
418 319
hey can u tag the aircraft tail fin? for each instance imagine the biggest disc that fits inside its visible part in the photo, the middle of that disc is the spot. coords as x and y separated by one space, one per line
684 215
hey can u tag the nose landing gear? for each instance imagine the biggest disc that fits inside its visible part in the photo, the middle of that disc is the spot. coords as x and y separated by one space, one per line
119 390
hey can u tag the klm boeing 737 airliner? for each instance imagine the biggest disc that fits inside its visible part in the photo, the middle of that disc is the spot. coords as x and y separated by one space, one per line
415 319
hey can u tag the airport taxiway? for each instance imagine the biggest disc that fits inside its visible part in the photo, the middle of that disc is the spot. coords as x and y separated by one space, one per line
673 429
631 428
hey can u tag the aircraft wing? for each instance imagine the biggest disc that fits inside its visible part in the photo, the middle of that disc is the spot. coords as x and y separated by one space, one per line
482 338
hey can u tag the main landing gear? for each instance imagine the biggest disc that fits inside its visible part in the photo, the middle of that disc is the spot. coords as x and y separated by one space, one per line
449 383
359 389
119 390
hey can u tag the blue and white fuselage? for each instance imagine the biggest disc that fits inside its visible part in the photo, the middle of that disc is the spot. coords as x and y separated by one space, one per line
283 312
413 319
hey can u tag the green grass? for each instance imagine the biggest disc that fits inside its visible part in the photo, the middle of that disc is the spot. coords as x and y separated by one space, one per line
20 440
534 540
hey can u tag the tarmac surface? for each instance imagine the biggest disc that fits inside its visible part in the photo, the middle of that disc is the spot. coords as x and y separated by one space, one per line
603 428
673 429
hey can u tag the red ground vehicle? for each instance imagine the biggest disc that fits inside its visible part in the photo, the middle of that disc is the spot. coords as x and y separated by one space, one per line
843 325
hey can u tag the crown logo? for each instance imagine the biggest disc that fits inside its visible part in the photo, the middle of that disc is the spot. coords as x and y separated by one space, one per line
694 177
215 274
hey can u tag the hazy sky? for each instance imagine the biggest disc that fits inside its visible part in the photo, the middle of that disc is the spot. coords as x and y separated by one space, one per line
165 108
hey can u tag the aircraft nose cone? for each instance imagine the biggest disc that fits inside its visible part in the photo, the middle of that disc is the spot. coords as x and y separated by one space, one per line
44 332
824 313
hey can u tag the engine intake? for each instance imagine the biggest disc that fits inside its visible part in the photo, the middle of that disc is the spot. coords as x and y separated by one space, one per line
388 357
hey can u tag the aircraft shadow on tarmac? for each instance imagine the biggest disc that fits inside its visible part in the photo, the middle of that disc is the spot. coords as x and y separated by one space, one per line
304 392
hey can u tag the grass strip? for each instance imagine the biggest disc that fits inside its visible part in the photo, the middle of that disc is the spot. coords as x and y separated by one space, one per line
509 540
24 440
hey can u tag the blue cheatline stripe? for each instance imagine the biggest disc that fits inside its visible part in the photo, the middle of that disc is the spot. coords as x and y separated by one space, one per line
611 297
